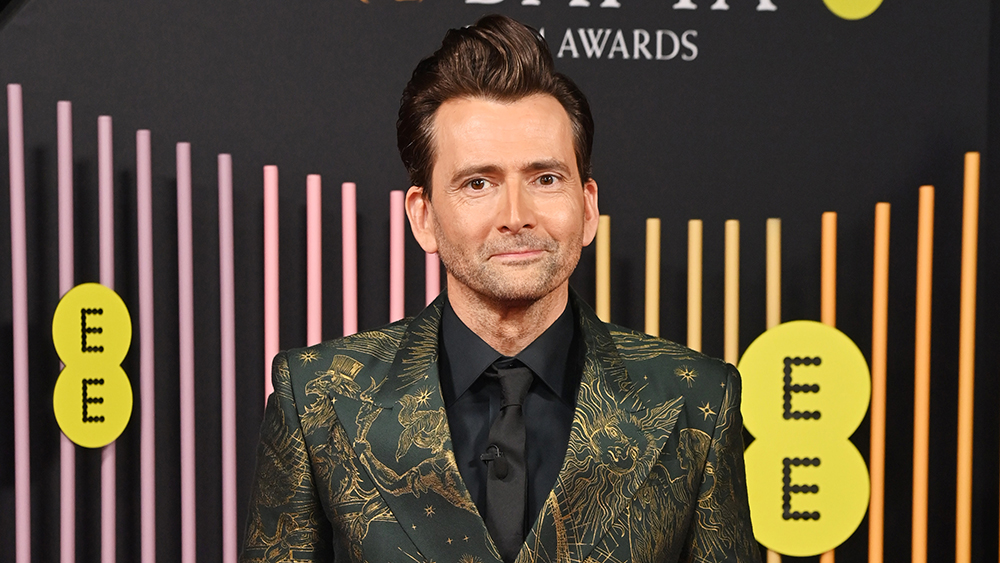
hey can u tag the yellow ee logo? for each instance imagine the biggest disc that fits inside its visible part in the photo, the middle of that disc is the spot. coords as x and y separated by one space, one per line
92 332
853 9
806 388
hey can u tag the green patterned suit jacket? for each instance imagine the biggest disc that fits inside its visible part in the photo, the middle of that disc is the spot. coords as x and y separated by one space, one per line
355 460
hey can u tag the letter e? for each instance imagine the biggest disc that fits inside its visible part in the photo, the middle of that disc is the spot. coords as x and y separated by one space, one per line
789 388
788 489
85 330
88 400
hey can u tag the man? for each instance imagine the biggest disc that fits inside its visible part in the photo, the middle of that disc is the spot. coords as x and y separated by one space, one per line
505 422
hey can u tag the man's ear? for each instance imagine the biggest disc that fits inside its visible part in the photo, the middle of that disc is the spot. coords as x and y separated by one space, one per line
421 216
591 214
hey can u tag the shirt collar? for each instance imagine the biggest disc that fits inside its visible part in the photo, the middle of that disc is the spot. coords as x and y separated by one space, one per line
468 355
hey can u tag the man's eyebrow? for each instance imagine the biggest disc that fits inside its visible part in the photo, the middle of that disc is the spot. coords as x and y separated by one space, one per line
473 170
553 164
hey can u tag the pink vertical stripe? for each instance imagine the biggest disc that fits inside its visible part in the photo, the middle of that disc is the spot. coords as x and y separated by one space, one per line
147 362
185 292
106 229
349 209
19 310
106 200
271 346
397 256
67 451
432 275
64 115
227 310
314 259
108 500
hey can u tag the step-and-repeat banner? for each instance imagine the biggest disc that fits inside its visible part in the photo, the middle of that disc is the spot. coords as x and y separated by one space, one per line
229 168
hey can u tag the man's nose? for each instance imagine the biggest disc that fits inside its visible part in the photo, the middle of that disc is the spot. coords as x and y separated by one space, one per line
517 209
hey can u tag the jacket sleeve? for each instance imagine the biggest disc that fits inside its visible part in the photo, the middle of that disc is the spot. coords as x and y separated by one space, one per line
721 528
286 521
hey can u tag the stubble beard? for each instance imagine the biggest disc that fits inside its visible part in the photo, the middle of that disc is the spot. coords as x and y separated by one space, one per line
510 284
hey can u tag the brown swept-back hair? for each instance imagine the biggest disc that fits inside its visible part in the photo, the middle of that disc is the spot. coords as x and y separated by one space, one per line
497 59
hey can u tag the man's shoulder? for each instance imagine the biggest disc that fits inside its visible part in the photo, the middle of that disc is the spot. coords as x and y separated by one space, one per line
347 355
669 368
636 347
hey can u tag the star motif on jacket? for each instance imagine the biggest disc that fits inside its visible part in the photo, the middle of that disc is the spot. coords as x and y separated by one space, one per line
428 511
706 410
687 374
423 396
448 541
308 356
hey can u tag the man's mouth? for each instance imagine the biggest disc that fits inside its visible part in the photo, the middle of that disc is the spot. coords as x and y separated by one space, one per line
522 248
518 254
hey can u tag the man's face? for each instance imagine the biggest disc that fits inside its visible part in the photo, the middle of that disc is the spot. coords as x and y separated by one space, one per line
509 213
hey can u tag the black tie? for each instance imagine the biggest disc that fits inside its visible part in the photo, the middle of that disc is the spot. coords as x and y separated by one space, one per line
506 484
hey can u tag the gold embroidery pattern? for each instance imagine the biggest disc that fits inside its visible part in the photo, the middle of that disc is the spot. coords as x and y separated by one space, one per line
283 514
380 344
357 460
609 447
425 429
423 350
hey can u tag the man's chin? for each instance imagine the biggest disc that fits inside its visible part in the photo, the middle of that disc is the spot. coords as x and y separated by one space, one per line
517 294
512 285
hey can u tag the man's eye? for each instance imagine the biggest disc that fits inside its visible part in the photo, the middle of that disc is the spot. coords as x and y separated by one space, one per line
477 184
547 180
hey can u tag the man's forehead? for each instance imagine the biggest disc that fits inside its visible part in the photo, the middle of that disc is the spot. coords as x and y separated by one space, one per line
482 104
476 125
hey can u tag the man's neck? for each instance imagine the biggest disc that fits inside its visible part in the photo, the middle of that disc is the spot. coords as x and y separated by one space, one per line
507 327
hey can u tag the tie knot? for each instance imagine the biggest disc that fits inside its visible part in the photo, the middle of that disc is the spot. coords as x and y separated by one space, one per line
515 379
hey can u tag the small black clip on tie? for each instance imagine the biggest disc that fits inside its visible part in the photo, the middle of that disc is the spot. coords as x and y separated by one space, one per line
493 453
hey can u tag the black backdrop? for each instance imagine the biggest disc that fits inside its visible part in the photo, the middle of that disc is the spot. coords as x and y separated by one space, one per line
784 114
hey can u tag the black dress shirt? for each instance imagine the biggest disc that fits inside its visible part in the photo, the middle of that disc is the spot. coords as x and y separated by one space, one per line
472 402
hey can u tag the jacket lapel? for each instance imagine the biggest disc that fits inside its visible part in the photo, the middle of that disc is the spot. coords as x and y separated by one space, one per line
615 439
400 433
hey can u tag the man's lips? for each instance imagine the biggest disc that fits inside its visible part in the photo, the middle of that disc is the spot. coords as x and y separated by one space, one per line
519 254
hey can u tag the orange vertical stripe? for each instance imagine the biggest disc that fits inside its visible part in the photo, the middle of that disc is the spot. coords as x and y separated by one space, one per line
922 373
653 276
828 271
603 301
966 360
694 284
773 300
828 292
880 327
731 345
773 272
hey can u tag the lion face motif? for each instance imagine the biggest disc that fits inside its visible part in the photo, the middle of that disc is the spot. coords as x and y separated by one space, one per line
618 445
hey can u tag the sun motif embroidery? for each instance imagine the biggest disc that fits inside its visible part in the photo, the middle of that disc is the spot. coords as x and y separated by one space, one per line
308 356
423 396
706 410
687 374
428 511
